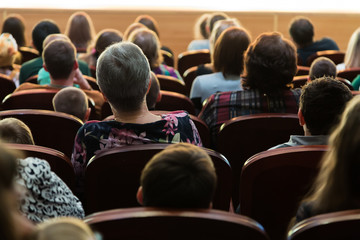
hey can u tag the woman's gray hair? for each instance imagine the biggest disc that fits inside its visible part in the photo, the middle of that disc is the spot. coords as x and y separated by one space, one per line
123 75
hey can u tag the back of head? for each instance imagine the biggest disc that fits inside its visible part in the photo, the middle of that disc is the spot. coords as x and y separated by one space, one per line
322 67
131 28
322 102
123 75
180 176
71 100
8 50
228 56
149 22
59 58
15 25
55 36
301 31
213 18
13 130
352 55
105 38
270 63
200 31
149 44
153 94
219 27
80 29
41 31
68 228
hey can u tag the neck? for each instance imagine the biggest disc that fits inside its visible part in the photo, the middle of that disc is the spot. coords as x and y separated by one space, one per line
140 116
61 82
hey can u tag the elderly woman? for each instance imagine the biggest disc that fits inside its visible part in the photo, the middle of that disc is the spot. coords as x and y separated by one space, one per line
8 54
149 43
270 65
123 75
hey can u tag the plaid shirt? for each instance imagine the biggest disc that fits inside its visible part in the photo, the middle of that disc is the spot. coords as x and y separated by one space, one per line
223 106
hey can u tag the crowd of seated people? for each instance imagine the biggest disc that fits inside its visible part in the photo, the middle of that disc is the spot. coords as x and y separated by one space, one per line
244 77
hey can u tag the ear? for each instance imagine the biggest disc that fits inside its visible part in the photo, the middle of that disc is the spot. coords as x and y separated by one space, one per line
87 115
45 68
76 65
301 118
158 99
139 196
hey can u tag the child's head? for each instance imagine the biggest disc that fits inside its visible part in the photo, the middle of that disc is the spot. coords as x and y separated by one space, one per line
8 50
180 176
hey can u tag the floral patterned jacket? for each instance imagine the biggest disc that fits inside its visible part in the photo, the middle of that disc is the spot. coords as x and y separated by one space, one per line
95 137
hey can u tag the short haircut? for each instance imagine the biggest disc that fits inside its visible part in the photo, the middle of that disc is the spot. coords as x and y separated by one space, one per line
321 67
105 38
149 44
41 31
301 31
153 93
59 58
149 22
71 100
228 56
270 63
13 130
123 75
15 25
55 36
132 27
322 102
213 18
180 176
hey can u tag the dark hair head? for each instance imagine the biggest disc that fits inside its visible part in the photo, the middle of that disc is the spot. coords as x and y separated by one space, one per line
149 22
322 102
270 63
41 31
213 18
131 28
180 176
301 31
322 67
153 93
105 38
59 58
229 51
14 24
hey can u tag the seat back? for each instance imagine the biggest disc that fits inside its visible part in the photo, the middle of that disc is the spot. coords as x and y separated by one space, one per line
92 82
112 178
342 225
28 54
7 86
32 79
192 58
168 58
335 55
302 70
172 101
244 136
274 182
59 163
189 76
172 84
50 129
299 81
161 224
349 74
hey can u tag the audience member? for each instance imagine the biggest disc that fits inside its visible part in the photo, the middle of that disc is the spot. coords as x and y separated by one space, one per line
15 25
64 228
132 27
8 53
228 61
153 95
60 62
302 33
13 226
74 101
150 45
153 25
80 29
180 176
322 67
123 75
213 18
39 33
43 75
322 102
270 65
219 27
336 187
45 194
201 34
352 54
104 38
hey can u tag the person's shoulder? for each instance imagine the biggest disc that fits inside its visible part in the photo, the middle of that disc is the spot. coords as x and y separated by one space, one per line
29 86
176 114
